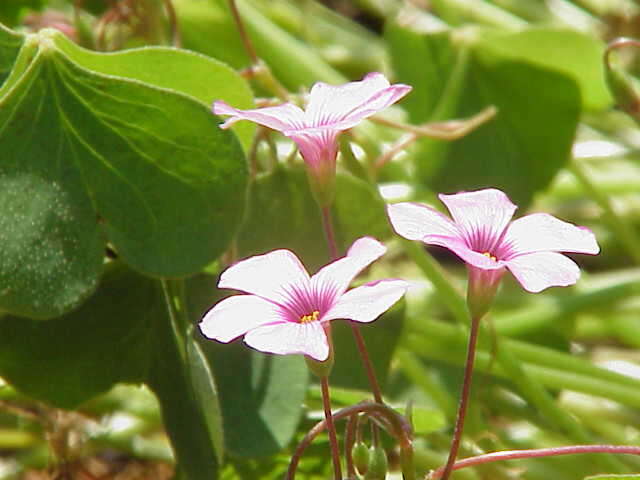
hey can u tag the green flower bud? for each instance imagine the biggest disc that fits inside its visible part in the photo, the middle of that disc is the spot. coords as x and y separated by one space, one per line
360 455
378 465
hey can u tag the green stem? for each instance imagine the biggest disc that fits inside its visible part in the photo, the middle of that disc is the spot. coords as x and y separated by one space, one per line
623 230
178 321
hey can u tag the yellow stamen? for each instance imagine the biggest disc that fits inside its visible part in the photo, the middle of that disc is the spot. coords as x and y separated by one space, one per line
312 317
488 255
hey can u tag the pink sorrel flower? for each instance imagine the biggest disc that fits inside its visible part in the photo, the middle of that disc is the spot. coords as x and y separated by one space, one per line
286 311
330 110
481 233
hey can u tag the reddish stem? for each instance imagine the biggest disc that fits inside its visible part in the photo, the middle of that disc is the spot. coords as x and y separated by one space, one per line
333 439
246 41
535 453
327 225
464 397
395 423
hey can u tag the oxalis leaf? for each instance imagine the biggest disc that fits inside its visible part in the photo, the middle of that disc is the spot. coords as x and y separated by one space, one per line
455 75
122 333
89 158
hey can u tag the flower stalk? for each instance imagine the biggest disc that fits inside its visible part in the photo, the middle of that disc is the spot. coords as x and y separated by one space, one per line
464 397
333 439
535 453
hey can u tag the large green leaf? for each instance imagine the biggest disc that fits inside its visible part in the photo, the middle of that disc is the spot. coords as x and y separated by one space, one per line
522 148
283 214
201 77
10 43
121 334
70 359
261 396
89 158
568 51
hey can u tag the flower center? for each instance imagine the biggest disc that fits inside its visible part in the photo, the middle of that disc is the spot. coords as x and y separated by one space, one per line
312 317
488 255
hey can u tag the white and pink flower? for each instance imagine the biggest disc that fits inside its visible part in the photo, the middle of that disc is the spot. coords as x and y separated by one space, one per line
482 234
285 311
330 110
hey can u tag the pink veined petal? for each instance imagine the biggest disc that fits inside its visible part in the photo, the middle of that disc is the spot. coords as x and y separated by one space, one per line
316 147
542 232
273 275
333 279
460 248
235 316
414 221
290 338
540 270
281 117
331 105
375 104
481 216
367 302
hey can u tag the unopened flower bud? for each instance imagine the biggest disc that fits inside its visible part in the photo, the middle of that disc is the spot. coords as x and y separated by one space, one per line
360 455
378 465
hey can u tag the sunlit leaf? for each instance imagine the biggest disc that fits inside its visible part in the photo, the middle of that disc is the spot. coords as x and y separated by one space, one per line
90 158
522 148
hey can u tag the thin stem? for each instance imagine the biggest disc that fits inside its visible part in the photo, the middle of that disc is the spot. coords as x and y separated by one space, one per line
327 225
398 425
333 439
176 37
350 432
447 130
368 366
246 41
464 397
536 453
174 316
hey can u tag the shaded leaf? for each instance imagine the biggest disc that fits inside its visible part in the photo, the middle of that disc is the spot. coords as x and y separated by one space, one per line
200 77
261 397
87 351
89 158
10 43
522 148
283 214
568 51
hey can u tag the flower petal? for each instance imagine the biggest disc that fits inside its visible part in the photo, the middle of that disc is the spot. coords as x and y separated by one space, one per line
281 117
273 275
235 316
291 338
481 216
540 270
542 232
318 148
460 248
368 302
341 107
414 221
332 280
